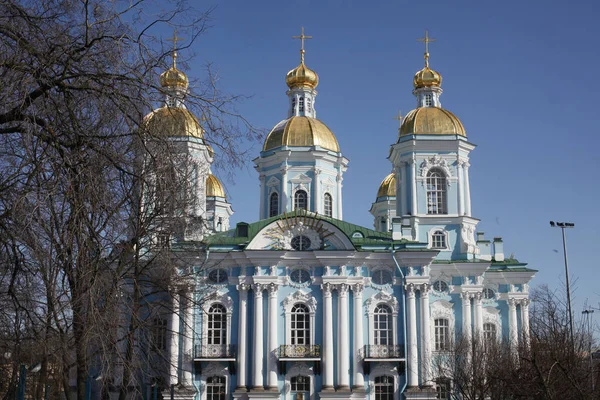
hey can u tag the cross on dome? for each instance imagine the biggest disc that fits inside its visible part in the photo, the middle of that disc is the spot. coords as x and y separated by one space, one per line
426 40
175 39
302 36
399 118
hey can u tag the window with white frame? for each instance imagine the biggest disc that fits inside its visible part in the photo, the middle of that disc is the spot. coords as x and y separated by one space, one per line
300 200
489 334
300 384
382 334
442 334
438 239
436 192
300 319
216 388
489 294
428 100
327 205
301 104
274 204
443 388
217 325
384 387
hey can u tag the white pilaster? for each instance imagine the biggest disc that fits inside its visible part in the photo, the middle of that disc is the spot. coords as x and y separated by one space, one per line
286 203
174 341
328 337
412 369
188 338
340 178
461 186
242 336
413 186
258 382
403 199
343 338
359 378
272 338
466 315
467 190
426 378
263 213
512 322
317 191
477 300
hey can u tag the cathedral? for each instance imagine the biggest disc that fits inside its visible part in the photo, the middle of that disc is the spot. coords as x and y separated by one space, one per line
304 304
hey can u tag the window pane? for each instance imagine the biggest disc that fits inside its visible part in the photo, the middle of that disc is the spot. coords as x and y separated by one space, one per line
274 205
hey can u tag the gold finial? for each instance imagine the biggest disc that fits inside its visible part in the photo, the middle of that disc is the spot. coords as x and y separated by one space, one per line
302 37
399 119
175 39
426 40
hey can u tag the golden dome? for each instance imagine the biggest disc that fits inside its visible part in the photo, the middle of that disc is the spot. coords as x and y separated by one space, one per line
427 78
174 77
302 76
172 121
214 188
388 186
431 121
301 132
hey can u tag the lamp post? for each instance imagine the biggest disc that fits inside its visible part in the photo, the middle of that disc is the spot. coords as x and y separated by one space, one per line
589 333
562 226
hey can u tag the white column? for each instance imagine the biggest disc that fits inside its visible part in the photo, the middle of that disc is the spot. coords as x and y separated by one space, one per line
339 196
258 337
263 195
466 315
174 341
327 337
512 322
403 200
467 190
460 188
188 338
359 378
478 315
242 336
317 192
413 185
525 321
343 338
413 356
272 338
425 337
286 203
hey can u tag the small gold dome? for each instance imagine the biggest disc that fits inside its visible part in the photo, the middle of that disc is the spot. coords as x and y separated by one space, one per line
431 121
214 188
174 78
427 78
172 121
388 186
302 76
301 132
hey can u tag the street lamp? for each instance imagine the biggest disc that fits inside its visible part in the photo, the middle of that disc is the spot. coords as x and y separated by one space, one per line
562 226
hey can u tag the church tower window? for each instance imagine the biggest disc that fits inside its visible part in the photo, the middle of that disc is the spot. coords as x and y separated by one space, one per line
383 325
300 325
274 204
436 192
293 106
217 325
301 104
489 334
308 104
300 200
328 205
442 334
215 388
384 387
428 100
438 240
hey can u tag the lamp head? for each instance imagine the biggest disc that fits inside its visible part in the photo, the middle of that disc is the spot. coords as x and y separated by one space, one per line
552 224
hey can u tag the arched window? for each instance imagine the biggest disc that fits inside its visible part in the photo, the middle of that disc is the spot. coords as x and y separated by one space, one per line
442 334
274 204
383 224
300 329
215 388
300 200
438 240
384 387
436 192
328 205
489 334
217 325
383 325
301 104
300 386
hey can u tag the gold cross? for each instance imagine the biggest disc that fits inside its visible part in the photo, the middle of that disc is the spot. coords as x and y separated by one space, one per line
399 118
426 40
302 37
175 39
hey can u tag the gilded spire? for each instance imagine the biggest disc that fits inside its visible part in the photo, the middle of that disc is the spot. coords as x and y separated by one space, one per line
426 40
175 39
302 37
399 118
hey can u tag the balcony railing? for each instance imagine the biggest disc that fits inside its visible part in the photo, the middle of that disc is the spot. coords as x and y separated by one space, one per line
383 351
214 351
299 351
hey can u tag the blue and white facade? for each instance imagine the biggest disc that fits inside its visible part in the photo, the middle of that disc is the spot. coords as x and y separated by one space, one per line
304 305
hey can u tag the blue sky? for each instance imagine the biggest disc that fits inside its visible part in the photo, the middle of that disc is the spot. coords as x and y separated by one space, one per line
521 76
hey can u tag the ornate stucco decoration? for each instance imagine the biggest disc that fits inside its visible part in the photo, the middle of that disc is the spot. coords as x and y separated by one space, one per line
434 162
382 297
300 297
467 239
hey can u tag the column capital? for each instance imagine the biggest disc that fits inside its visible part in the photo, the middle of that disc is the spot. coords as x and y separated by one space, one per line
478 296
272 288
317 171
465 296
525 302
258 289
358 288
410 289
342 289
425 289
243 287
327 288
512 302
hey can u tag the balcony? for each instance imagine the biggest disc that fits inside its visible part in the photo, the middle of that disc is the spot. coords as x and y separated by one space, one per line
214 352
382 352
303 352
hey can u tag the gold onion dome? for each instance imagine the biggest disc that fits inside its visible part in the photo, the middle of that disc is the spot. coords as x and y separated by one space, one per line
388 186
427 78
172 121
302 76
431 121
174 78
214 188
301 132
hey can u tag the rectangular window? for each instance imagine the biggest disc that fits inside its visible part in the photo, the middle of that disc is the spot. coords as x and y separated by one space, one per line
300 383
384 388
215 388
428 100
442 387
158 334
442 334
